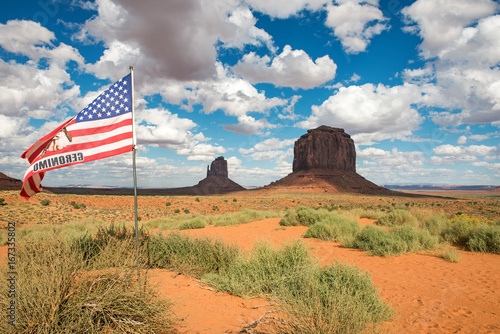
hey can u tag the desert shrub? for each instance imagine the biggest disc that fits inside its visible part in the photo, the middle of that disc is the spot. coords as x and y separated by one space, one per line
110 247
303 215
334 299
436 223
2 202
414 238
264 272
376 241
334 227
459 229
398 217
451 255
168 204
241 217
190 256
485 239
65 299
77 206
45 202
193 224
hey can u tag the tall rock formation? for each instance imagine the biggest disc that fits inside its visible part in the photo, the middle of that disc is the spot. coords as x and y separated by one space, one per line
325 160
324 148
218 168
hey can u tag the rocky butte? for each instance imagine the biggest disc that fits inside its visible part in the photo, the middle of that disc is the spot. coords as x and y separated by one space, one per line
325 160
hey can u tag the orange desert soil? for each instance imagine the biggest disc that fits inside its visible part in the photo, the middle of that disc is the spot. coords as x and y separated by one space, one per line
429 294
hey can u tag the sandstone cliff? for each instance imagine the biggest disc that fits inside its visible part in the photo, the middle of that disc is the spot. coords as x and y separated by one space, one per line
325 160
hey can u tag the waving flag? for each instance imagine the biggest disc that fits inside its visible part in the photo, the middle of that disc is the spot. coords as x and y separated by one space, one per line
103 129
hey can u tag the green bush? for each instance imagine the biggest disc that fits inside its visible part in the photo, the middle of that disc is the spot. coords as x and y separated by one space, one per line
304 216
458 231
485 239
335 228
192 224
44 202
2 202
414 238
398 217
376 241
436 223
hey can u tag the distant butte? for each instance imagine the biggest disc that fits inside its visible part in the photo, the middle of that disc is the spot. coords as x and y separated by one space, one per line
325 161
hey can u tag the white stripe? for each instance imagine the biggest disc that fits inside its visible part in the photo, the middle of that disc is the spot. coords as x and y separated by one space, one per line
98 122
100 136
108 147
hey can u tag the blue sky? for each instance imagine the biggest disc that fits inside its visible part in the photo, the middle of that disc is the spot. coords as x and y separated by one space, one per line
415 83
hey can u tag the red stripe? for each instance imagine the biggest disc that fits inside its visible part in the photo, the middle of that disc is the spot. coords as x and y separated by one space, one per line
100 129
97 143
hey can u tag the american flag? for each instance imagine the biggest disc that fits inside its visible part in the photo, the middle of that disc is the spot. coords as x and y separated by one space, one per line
103 129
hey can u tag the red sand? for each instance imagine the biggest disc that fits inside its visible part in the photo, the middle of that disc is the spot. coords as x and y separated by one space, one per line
429 294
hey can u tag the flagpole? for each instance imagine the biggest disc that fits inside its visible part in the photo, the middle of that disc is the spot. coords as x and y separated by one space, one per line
134 153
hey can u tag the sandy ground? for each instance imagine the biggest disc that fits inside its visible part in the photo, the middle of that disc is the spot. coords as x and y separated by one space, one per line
429 294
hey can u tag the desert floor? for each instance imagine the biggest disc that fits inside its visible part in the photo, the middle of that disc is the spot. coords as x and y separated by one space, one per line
428 293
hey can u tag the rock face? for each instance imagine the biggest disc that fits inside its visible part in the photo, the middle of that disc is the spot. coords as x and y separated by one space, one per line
325 161
324 148
218 168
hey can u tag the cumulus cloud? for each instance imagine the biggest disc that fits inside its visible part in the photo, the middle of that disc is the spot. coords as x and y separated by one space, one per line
159 127
369 112
248 125
355 23
270 144
474 150
285 8
174 39
460 41
291 68
441 22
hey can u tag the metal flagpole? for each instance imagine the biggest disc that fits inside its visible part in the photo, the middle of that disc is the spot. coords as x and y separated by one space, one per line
134 153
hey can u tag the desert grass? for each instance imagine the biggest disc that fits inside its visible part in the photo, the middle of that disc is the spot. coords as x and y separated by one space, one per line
188 221
335 227
57 293
194 257
310 299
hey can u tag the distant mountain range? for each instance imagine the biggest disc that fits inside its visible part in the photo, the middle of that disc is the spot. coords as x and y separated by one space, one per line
441 187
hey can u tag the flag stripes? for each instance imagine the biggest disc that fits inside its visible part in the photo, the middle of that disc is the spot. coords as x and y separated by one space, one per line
100 130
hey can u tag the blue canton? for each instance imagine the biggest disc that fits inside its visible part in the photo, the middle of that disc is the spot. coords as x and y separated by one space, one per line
115 101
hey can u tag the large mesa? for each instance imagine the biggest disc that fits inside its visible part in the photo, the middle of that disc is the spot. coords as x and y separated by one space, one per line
324 148
325 160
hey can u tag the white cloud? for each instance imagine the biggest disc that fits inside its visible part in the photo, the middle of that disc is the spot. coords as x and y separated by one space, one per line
355 23
291 68
285 8
371 152
234 96
248 125
448 150
31 39
462 140
441 22
478 137
370 113
460 40
270 144
474 150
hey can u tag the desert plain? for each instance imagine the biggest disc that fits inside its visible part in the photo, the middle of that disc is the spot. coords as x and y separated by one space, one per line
428 293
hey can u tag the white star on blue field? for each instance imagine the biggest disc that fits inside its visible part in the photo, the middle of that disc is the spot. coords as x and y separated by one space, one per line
415 83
